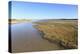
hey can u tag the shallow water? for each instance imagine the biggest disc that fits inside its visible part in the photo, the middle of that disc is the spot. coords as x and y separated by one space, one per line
26 38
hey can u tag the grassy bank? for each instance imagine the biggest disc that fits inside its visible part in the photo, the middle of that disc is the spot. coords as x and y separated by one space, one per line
64 32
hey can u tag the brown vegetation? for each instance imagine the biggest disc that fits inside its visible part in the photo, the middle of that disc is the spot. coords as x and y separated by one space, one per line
63 32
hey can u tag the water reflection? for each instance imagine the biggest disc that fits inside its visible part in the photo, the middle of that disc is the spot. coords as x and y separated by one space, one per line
26 38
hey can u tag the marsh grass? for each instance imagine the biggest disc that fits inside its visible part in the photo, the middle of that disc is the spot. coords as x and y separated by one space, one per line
63 32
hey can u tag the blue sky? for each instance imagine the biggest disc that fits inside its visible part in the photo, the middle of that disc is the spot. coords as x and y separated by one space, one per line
29 10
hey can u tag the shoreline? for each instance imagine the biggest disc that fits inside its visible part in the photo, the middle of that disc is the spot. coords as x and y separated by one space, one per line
42 28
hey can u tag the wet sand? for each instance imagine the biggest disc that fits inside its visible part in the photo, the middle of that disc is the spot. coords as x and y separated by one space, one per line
25 38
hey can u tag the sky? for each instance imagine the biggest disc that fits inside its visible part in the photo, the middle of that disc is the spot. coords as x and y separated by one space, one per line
31 10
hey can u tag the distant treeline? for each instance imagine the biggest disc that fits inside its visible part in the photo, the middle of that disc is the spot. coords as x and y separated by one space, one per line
68 19
19 19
